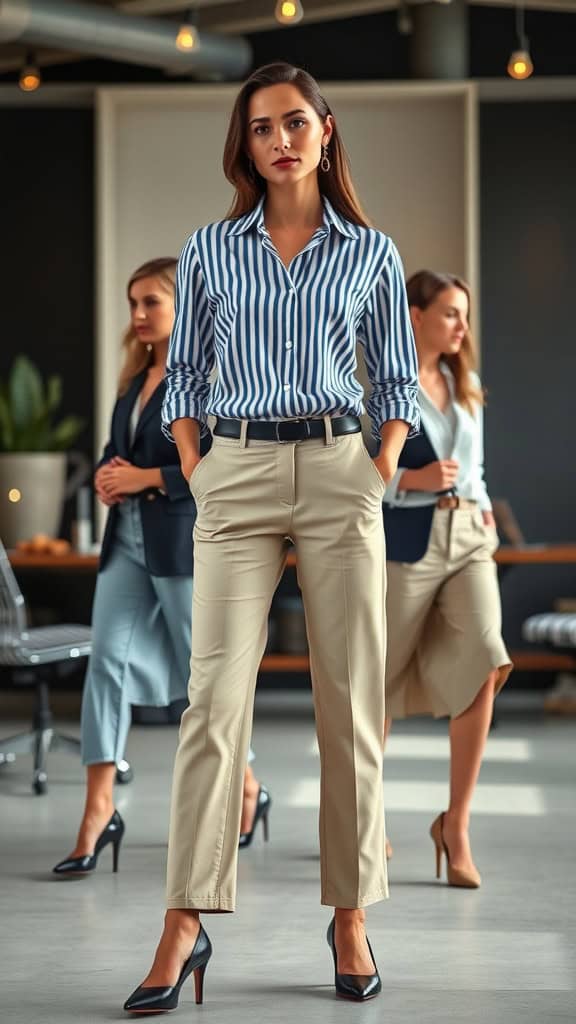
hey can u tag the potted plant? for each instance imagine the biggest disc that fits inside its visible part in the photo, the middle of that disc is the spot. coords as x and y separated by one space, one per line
33 457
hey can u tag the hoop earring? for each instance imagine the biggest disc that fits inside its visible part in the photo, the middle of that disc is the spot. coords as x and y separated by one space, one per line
325 164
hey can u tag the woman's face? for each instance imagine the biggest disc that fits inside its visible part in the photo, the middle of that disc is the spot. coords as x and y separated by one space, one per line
440 328
285 134
151 310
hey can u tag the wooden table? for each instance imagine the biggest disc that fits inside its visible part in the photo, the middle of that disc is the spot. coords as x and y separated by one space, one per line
71 562
536 554
529 554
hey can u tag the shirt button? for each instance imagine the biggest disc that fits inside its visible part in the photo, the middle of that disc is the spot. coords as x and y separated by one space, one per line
286 387
151 497
289 344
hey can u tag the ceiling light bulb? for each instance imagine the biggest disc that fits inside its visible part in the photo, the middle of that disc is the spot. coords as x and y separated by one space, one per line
187 38
520 65
30 78
289 12
404 22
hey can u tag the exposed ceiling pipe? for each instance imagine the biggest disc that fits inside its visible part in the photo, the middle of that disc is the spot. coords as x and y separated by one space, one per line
113 35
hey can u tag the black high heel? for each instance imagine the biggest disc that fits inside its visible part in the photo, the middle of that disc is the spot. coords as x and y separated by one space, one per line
113 833
353 986
159 1000
263 805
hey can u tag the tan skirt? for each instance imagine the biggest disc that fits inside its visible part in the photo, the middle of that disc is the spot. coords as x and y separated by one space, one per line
444 620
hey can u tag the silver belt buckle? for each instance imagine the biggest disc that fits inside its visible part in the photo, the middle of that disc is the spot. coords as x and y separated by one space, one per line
295 439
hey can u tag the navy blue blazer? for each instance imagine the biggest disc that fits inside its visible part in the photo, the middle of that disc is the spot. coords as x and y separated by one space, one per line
167 519
408 529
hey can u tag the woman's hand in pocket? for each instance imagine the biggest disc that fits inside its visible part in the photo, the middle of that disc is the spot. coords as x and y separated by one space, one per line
189 464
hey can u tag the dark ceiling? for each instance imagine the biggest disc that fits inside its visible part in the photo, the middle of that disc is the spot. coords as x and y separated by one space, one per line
366 47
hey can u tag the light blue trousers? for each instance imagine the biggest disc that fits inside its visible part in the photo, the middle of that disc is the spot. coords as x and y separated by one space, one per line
140 642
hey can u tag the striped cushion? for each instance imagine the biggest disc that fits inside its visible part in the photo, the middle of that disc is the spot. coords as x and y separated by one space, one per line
557 628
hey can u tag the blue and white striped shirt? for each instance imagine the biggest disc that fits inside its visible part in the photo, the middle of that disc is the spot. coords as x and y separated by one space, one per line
284 340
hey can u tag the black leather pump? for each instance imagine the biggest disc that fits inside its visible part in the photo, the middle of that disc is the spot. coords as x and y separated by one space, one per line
263 805
159 1000
354 986
113 833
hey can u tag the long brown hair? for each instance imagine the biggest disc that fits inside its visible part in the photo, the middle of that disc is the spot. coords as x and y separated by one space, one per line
336 184
136 355
423 289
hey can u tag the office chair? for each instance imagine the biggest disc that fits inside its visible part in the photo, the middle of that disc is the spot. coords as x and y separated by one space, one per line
32 655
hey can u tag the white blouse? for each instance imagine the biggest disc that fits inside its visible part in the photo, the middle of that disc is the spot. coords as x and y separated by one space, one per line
454 434
134 418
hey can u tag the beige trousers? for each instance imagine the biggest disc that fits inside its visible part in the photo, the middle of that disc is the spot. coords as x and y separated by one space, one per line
444 620
326 496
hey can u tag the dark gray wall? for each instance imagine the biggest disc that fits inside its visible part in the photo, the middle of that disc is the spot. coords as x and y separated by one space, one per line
528 264
528 220
46 251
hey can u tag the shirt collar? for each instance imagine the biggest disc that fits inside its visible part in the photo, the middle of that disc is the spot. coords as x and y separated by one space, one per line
256 219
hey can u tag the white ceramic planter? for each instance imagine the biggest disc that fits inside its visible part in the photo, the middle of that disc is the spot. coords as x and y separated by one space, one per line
33 489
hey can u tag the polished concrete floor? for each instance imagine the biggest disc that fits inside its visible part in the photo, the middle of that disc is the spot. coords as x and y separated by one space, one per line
73 950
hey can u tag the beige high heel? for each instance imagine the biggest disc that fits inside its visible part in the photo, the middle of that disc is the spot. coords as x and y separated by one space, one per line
456 877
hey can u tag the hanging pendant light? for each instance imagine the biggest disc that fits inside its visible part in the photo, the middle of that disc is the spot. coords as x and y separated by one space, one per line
188 38
289 12
30 78
520 65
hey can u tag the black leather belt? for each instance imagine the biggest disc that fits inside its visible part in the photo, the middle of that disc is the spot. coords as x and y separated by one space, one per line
287 431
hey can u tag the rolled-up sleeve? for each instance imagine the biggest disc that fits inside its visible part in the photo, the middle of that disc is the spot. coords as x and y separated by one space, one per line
191 352
385 333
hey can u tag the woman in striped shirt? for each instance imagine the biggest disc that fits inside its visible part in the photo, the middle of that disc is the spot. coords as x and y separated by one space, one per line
275 297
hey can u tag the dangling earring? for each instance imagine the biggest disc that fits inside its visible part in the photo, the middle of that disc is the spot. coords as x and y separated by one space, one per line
149 347
325 164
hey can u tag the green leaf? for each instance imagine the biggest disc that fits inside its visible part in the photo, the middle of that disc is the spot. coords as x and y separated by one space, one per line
6 425
66 433
53 393
35 436
26 392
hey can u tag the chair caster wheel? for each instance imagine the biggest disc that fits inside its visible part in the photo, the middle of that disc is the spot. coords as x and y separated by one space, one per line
124 773
40 783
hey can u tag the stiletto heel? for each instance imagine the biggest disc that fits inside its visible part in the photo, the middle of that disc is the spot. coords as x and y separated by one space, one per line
439 845
263 805
113 833
456 877
199 984
358 987
157 999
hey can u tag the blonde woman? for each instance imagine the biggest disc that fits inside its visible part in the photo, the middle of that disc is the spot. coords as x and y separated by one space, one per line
446 656
142 606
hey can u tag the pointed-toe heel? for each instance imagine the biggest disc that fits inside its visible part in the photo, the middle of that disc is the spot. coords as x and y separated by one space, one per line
456 877
358 987
263 805
161 1000
112 834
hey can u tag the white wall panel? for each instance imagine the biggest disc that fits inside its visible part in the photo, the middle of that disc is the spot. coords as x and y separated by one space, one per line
413 153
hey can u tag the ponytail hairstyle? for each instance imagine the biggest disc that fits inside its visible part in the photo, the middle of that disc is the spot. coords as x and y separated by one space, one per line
423 289
136 355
